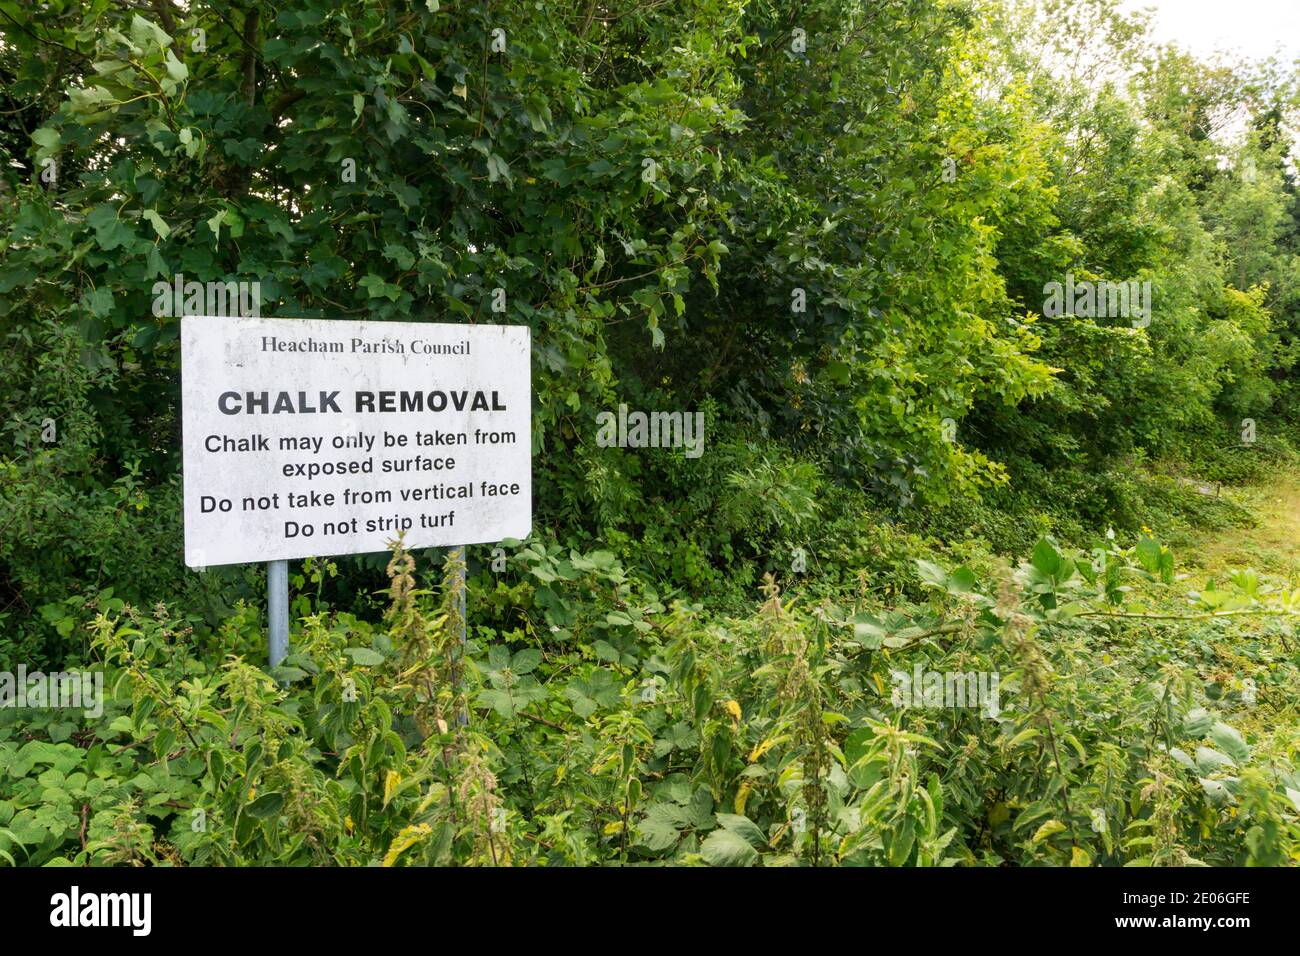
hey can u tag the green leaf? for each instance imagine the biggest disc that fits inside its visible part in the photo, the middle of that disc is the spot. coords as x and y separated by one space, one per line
1166 567
931 573
1209 760
502 701
1067 611
498 168
1197 722
177 70
266 806
159 224
901 842
1181 757
744 826
110 232
377 288
99 303
661 827
725 847
867 631
90 99
1148 553
47 139
1229 740
1216 791
961 581
214 223
364 656
400 255
148 36
1047 830
1046 559
526 660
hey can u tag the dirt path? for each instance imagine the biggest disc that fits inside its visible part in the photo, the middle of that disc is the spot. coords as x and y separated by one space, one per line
1272 546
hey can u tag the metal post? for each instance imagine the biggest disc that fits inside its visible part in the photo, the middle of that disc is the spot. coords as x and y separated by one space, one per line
277 602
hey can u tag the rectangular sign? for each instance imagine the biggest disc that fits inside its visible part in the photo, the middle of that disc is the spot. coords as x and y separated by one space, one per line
318 437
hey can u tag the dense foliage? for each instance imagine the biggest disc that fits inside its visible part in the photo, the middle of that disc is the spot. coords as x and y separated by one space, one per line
647 733
830 227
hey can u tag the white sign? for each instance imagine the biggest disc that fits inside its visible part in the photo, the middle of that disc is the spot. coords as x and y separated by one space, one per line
308 437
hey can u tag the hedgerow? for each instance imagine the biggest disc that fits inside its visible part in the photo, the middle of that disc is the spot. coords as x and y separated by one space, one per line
829 228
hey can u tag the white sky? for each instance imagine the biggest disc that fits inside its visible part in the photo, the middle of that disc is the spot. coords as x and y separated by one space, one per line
1256 28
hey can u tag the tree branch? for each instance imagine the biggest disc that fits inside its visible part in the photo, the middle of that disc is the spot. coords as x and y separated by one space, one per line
163 9
250 55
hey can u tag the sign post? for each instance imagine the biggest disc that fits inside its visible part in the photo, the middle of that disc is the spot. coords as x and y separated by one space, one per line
277 604
326 437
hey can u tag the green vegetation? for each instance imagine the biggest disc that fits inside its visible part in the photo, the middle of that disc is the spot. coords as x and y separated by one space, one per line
830 227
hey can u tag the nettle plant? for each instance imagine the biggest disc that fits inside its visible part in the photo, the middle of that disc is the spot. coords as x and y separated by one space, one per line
354 751
596 722
1092 759
808 760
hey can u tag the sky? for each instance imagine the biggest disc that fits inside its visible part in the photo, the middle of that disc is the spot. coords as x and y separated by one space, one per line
1257 28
